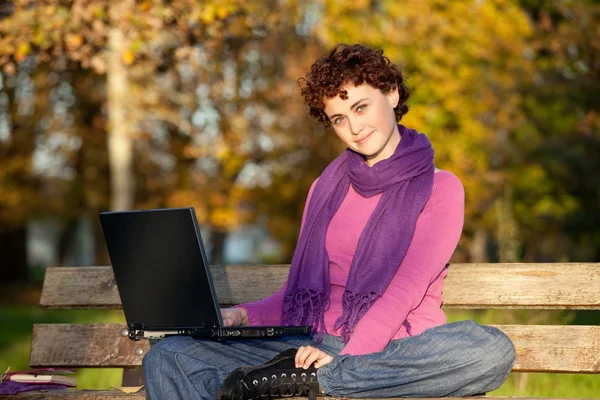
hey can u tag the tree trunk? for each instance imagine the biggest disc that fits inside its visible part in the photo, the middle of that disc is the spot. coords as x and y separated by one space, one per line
66 243
120 140
13 251
478 248
507 232
7 8
17 152
217 247
102 256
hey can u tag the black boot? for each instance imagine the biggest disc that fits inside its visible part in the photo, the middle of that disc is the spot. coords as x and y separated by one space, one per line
276 378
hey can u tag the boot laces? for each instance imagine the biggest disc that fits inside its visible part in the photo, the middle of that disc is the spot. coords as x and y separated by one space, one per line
302 384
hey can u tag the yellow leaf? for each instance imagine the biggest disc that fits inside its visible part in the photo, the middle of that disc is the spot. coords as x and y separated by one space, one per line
222 12
22 51
50 10
128 57
129 389
73 41
208 14
146 5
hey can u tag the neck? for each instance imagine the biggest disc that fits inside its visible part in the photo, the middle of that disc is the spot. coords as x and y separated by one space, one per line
387 151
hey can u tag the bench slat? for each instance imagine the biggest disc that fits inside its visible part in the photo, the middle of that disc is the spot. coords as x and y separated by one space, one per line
555 348
77 395
84 345
523 286
540 348
113 394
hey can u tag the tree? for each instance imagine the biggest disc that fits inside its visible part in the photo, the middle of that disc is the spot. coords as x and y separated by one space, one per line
213 117
157 41
556 174
463 60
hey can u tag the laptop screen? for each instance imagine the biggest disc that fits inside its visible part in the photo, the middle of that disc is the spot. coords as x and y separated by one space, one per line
161 268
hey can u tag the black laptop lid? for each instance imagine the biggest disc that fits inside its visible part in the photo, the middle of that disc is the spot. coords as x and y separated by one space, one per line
161 269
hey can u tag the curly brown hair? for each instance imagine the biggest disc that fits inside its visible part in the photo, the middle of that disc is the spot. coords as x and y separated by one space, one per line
354 64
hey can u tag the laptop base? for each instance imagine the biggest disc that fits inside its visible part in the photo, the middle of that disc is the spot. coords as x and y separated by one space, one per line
220 333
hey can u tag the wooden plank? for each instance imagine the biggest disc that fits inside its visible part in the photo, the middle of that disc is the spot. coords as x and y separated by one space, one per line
95 287
90 287
76 395
133 377
525 286
540 348
113 394
555 348
89 345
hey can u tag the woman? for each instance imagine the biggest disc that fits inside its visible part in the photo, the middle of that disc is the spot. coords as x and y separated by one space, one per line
379 226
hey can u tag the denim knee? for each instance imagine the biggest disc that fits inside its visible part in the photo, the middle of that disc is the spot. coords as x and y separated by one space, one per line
157 360
152 368
152 363
150 360
166 377
500 350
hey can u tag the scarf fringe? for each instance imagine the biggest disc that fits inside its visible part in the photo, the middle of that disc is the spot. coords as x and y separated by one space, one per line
355 305
305 307
382 244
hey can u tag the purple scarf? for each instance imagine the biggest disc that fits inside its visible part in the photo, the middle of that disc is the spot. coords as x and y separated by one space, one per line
406 180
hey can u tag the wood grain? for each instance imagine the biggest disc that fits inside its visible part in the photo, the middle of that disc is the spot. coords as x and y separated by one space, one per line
75 395
113 394
85 345
555 348
571 349
524 286
540 348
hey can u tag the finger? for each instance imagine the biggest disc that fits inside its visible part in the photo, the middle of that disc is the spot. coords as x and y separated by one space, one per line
312 357
323 361
299 358
301 354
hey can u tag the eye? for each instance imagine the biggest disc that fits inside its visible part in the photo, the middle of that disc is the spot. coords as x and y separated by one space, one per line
361 107
337 120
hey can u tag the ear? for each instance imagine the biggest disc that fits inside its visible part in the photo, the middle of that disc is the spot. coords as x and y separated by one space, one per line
393 97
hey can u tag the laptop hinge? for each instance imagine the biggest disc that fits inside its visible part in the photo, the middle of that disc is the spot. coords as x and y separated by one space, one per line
136 331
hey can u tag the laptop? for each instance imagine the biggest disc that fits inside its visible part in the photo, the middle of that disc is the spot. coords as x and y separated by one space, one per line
164 279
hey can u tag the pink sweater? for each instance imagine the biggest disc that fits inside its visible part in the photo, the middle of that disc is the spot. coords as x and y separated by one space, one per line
412 301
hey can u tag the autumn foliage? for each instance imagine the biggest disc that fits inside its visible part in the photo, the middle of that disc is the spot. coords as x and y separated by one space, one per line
205 95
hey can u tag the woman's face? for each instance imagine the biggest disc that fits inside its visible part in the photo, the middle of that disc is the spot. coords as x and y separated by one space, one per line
365 121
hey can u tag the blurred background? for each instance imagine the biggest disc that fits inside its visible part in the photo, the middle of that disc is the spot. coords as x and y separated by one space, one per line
111 105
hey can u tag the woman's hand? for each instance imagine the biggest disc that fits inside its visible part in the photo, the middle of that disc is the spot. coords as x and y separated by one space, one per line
235 316
306 355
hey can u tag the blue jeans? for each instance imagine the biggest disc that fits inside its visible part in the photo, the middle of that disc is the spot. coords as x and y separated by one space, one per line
458 359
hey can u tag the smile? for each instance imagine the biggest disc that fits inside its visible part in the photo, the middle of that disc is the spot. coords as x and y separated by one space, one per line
363 139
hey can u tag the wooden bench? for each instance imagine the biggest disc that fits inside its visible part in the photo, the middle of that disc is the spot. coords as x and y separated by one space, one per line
540 348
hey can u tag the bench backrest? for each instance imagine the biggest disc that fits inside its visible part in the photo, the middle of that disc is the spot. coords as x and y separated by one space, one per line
540 348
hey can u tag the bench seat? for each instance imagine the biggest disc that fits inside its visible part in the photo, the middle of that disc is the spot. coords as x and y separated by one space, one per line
540 348
114 394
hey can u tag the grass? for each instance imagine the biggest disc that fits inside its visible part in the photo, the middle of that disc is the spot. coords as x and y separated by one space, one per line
16 324
539 384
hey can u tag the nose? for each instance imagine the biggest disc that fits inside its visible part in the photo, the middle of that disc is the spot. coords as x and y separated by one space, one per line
356 125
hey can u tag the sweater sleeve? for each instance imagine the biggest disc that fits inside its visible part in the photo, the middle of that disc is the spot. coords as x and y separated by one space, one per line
436 236
267 312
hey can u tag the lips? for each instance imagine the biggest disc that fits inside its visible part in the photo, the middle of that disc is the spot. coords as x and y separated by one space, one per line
363 139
